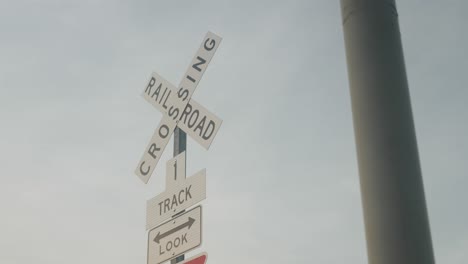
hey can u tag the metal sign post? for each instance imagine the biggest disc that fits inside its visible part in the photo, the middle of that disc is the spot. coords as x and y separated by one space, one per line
180 145
198 259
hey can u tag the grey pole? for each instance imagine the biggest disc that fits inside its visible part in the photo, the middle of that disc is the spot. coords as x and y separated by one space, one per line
395 214
180 145
180 141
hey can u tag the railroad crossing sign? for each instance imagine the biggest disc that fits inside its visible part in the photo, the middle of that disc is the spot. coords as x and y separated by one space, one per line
179 109
175 237
180 193
171 239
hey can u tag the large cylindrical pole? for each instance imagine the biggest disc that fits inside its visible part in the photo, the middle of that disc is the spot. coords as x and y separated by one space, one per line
395 214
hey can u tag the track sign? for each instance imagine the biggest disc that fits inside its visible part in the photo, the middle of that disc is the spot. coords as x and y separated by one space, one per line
175 237
181 192
179 197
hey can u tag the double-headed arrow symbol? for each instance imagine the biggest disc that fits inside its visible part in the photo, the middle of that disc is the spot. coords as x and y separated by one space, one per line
188 224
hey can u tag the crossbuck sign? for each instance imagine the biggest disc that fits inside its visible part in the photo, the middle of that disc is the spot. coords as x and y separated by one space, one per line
179 109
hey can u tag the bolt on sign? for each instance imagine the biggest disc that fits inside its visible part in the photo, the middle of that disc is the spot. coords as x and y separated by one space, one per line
172 230
178 109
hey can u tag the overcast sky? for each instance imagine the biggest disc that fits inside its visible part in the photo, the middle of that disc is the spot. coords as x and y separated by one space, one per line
282 177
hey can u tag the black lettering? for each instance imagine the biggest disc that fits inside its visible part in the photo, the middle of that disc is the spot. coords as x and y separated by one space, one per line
190 78
211 125
187 193
169 246
164 94
161 252
152 149
162 133
156 92
186 112
191 117
165 101
144 173
212 43
180 200
166 205
201 61
183 93
184 238
177 242
160 208
174 201
200 126
150 85
173 111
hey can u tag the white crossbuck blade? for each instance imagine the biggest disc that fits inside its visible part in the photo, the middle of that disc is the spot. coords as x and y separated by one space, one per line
195 120
178 108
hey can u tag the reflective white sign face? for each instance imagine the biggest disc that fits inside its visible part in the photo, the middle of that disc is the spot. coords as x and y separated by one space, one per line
175 170
176 199
180 194
195 120
175 104
199 123
155 148
175 237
